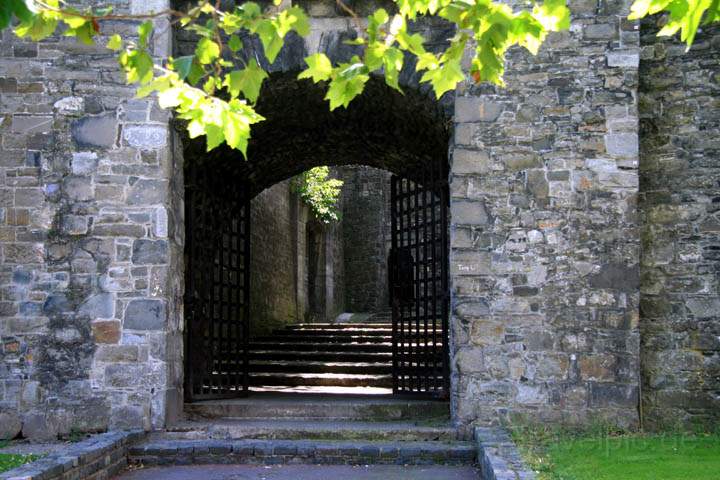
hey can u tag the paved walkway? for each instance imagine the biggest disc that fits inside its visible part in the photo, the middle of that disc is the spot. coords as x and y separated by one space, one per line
302 472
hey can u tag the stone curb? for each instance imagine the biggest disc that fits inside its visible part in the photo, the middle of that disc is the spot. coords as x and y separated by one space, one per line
498 456
186 452
101 456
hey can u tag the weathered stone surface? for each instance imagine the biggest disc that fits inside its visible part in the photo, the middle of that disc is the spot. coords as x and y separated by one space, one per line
475 109
101 305
10 425
148 192
95 131
84 163
680 321
145 315
36 427
150 252
106 331
145 136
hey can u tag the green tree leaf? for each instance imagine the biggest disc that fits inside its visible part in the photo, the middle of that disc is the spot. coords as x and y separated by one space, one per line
235 44
115 42
319 68
248 81
144 31
183 65
206 51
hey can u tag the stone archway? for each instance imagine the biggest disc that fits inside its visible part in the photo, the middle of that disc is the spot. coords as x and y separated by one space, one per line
405 134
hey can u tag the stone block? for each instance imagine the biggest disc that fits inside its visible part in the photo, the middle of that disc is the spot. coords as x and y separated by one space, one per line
36 427
470 213
145 137
148 192
10 425
106 331
29 197
101 305
476 109
145 315
161 222
622 144
704 307
150 252
24 253
601 31
95 131
470 263
117 353
30 124
79 189
84 163
538 185
69 105
623 58
74 224
470 161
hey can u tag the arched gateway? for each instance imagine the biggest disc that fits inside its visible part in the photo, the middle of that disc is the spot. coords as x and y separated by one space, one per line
407 135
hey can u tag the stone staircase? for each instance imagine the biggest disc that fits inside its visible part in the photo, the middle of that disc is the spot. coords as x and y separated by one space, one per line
269 428
346 356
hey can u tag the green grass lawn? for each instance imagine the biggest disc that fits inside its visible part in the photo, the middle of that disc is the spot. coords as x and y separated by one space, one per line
8 461
628 457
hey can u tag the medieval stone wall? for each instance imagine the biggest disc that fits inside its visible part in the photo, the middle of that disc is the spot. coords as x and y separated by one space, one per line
544 260
92 239
545 231
680 200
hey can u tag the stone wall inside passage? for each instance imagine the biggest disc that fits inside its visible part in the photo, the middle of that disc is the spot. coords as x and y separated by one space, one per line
366 238
680 206
277 260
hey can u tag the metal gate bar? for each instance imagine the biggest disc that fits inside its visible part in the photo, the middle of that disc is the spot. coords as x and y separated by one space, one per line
418 279
217 291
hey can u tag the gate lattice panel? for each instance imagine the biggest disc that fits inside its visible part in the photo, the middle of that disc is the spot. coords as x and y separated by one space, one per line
217 293
419 283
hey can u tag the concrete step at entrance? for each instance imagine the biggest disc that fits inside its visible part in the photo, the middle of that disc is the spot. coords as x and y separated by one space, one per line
323 407
321 379
357 452
309 429
293 366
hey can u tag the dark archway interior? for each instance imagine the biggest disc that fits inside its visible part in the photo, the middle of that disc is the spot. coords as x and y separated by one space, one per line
406 134
382 128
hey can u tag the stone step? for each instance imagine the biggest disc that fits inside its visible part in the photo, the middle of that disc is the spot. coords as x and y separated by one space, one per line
168 452
321 379
311 429
301 366
385 357
293 338
340 326
325 407
334 331
322 347
342 347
